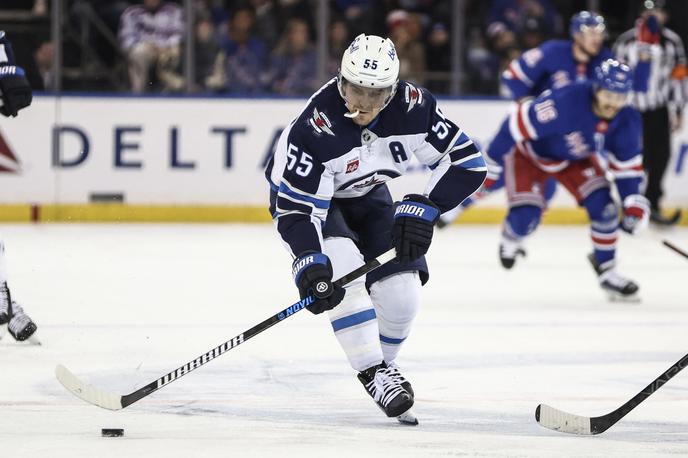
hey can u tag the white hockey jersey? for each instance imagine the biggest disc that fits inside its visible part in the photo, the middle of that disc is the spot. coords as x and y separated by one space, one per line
323 155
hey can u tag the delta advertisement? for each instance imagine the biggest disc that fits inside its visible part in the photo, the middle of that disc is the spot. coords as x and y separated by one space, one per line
196 151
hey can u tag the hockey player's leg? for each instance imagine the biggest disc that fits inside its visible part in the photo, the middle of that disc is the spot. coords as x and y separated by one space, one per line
520 222
19 325
396 299
604 223
355 326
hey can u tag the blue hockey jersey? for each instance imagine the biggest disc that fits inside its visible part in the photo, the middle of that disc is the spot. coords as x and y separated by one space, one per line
552 66
560 126
323 155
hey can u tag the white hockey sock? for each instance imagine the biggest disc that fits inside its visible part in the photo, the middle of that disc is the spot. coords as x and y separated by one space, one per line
353 320
355 326
397 300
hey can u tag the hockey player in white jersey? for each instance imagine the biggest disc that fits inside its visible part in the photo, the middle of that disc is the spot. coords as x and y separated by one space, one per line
333 210
15 94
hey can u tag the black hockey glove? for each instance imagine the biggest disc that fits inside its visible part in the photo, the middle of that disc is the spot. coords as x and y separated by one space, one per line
14 87
313 275
414 220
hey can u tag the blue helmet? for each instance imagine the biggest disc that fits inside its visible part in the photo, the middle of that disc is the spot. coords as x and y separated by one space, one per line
584 20
613 76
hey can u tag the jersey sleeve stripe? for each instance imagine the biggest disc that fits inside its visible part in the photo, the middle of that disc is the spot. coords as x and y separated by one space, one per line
459 154
517 71
286 191
474 161
633 163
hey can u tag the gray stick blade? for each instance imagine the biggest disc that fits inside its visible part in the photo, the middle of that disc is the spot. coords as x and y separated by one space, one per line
558 420
86 392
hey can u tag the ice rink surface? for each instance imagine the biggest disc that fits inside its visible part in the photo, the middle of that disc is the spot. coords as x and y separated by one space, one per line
122 305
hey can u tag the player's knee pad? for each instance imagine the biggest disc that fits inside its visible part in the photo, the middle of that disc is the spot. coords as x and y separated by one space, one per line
603 212
396 299
524 219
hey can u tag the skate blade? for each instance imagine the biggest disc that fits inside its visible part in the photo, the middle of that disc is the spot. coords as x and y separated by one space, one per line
33 340
408 418
621 299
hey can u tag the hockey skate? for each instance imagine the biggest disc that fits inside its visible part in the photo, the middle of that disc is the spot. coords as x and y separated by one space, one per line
395 373
21 326
387 392
509 250
618 288
4 309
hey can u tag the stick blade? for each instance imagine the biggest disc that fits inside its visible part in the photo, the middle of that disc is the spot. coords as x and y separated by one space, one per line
558 420
85 392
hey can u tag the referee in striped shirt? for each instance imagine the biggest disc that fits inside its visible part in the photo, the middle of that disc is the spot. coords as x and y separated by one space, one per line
662 105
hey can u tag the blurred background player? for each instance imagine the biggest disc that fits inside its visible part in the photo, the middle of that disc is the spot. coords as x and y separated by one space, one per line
558 135
662 104
333 210
552 65
16 95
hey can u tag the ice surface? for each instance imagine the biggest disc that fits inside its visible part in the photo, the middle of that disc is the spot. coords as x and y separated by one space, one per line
122 305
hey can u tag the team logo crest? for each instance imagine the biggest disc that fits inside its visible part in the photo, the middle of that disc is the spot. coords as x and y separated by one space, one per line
352 165
320 122
8 161
413 96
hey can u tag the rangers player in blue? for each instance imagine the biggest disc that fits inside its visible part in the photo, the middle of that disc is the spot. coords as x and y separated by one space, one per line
553 65
569 134
333 210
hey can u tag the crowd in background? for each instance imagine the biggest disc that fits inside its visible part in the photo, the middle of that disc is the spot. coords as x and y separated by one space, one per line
257 47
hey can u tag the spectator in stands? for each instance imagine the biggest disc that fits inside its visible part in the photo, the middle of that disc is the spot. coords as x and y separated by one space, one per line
43 59
150 34
403 29
293 63
267 21
438 59
339 40
512 15
245 54
510 22
210 63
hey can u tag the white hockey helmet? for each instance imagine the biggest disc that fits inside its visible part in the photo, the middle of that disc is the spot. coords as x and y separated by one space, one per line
371 64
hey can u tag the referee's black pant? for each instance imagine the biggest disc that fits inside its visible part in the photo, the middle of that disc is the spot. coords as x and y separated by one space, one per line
656 151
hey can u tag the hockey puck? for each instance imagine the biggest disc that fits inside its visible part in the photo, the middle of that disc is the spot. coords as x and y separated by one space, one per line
112 432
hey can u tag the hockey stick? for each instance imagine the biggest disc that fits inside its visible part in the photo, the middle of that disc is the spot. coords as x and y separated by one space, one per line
671 246
558 420
100 398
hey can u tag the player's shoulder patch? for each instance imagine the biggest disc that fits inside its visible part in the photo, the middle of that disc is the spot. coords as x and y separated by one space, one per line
413 96
320 123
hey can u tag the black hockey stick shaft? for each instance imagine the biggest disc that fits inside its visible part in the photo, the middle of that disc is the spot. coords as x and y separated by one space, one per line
671 246
208 356
601 424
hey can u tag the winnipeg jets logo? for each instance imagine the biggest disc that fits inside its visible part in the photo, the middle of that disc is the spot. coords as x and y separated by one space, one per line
372 181
354 46
413 96
320 122
352 165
